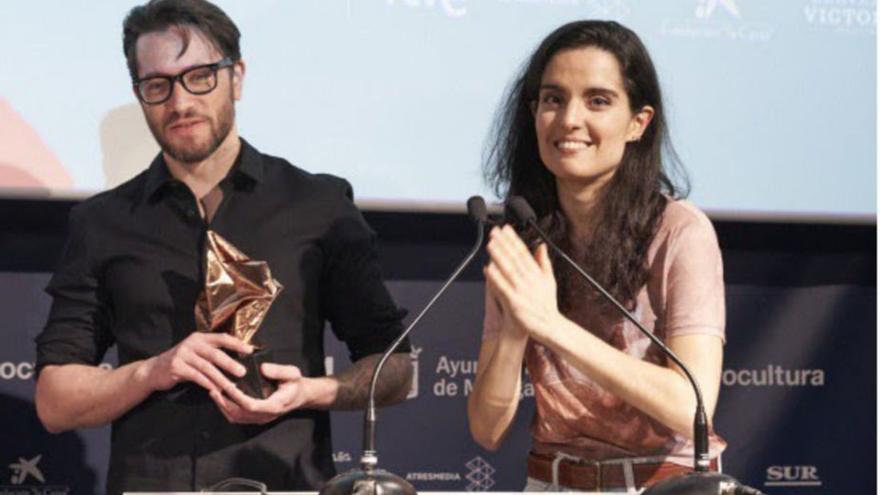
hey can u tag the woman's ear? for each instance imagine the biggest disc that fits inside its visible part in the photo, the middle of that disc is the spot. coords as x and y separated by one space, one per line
639 123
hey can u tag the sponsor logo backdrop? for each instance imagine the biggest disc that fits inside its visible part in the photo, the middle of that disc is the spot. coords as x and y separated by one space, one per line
797 403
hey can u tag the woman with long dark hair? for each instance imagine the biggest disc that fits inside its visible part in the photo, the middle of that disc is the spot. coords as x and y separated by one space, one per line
582 137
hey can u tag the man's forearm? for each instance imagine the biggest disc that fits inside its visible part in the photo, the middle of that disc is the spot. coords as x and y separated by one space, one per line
78 396
349 389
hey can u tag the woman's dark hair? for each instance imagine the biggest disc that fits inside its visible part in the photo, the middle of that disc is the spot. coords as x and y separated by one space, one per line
634 199
159 15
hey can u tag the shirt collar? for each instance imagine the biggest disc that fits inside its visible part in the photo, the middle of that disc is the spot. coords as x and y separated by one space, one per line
246 172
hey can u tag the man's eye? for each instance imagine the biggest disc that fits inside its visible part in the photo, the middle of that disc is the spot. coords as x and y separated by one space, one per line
598 101
154 86
200 75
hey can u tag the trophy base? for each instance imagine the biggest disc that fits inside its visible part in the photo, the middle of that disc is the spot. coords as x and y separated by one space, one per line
253 383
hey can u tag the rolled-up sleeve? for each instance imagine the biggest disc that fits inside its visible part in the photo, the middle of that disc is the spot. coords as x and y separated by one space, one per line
77 329
354 297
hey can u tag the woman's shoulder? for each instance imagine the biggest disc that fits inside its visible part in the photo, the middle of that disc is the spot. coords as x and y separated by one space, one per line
681 215
684 224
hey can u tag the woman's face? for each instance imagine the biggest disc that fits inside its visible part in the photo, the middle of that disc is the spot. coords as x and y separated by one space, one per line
583 118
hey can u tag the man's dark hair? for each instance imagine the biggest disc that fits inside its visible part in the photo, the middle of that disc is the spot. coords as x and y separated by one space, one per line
159 15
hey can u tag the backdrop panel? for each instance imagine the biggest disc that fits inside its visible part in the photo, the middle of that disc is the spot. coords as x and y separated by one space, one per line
797 403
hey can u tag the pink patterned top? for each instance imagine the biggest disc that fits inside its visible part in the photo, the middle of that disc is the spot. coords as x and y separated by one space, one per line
684 295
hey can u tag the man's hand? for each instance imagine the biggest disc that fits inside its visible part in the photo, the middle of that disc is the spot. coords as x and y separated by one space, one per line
198 358
345 391
293 392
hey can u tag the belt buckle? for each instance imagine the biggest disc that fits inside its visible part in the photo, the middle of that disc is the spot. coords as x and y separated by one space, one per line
597 465
561 459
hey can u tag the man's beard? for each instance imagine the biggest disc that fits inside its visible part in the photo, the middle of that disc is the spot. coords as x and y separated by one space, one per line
196 153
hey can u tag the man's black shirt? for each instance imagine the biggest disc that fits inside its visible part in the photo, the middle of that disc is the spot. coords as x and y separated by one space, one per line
130 275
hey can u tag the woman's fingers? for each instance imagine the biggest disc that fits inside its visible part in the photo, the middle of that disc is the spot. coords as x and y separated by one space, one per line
502 254
499 283
511 256
543 258
516 244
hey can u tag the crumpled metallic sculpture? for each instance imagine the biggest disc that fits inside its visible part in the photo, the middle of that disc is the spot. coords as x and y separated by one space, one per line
238 293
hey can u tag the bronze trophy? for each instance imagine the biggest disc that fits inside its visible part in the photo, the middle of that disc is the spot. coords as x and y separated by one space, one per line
238 293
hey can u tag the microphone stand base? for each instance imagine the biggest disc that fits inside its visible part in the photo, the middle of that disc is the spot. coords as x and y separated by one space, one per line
694 484
367 482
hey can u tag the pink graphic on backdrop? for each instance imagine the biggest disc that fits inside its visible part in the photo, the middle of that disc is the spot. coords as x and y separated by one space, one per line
25 159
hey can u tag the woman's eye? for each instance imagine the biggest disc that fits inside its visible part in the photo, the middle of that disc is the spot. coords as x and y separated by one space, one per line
551 100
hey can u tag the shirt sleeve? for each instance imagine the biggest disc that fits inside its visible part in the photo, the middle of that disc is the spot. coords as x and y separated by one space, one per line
354 297
77 329
695 281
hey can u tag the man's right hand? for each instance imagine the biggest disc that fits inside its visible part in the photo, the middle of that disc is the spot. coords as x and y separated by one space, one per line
76 395
199 358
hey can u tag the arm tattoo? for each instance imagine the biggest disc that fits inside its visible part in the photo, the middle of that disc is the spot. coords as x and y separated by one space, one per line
391 388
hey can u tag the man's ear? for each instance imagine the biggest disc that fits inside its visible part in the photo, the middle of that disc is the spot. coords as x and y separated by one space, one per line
238 71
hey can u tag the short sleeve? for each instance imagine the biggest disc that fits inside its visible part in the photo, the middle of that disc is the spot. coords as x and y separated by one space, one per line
77 329
695 281
354 298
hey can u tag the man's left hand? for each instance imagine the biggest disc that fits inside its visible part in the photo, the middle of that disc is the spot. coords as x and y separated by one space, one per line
293 392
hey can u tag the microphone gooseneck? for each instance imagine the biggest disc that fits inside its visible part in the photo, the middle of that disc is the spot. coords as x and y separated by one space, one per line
476 206
368 480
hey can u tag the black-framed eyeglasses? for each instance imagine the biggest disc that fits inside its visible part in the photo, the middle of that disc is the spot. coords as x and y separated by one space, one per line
198 80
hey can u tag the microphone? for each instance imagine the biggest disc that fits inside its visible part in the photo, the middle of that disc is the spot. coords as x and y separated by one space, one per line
368 480
701 481
476 208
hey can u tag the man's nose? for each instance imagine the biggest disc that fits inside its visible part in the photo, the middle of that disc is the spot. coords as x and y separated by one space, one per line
180 99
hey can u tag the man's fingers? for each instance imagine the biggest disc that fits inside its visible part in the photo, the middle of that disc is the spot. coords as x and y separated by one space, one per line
245 401
223 405
236 414
220 359
250 410
280 372
194 375
227 341
211 349
212 373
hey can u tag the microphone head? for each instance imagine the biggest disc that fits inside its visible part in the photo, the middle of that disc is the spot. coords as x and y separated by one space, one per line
519 210
476 207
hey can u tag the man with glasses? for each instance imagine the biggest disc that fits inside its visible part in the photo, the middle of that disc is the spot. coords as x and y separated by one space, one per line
133 269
